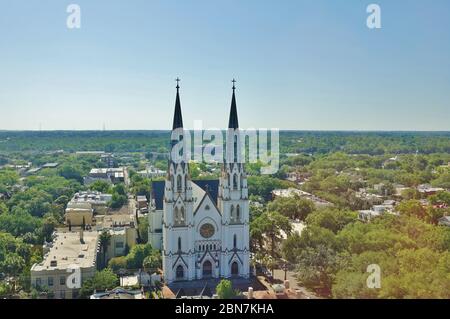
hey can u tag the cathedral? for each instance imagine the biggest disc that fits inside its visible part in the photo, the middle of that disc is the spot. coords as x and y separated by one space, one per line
202 227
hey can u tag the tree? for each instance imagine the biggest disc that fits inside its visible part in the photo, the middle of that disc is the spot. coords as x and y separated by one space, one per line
12 265
412 208
153 262
117 200
119 196
117 263
105 240
102 280
264 185
442 197
100 186
3 208
143 229
316 268
19 222
138 253
270 225
443 180
71 172
120 189
292 207
421 273
311 237
225 290
331 218
410 193
49 224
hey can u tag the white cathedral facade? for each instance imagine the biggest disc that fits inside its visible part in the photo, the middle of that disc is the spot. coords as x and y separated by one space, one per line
202 227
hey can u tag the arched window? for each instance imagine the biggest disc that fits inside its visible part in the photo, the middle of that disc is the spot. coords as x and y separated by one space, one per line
238 212
182 215
180 272
176 216
242 181
232 213
234 241
179 243
179 183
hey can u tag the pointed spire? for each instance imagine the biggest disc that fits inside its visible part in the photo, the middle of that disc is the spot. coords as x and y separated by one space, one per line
233 121
177 118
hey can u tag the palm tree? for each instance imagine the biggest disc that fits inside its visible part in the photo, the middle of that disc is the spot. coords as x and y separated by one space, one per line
105 240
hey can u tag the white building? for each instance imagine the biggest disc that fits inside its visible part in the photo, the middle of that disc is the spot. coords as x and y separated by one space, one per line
202 227
152 172
388 207
109 175
57 271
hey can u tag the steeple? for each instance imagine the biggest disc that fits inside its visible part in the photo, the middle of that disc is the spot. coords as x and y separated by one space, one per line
233 121
177 117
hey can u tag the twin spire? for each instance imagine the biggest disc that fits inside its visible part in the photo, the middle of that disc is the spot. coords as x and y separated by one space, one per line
233 121
178 118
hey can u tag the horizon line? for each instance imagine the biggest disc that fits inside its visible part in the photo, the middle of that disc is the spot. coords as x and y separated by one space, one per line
225 129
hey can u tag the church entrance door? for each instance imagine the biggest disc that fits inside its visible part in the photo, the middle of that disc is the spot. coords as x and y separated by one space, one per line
207 269
180 273
234 269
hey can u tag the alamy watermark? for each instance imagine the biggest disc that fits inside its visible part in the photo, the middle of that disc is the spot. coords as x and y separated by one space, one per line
73 281
216 146
374 279
74 18
374 19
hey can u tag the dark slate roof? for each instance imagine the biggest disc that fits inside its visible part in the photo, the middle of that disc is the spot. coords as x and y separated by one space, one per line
212 186
233 121
177 118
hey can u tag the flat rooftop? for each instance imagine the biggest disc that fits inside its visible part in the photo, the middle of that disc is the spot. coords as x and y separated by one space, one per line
116 220
91 197
67 249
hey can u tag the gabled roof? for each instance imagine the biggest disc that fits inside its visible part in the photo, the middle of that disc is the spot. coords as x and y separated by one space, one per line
211 185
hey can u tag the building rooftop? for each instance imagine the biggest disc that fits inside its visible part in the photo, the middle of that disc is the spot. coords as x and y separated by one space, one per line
119 293
33 170
91 197
67 249
106 170
141 198
50 165
90 152
425 188
118 221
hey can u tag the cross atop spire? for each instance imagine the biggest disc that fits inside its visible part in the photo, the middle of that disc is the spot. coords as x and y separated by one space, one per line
178 82
234 82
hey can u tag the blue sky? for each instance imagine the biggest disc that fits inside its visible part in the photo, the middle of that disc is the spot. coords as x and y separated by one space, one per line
308 65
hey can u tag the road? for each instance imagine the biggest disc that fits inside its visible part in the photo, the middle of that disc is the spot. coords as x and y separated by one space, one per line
279 275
